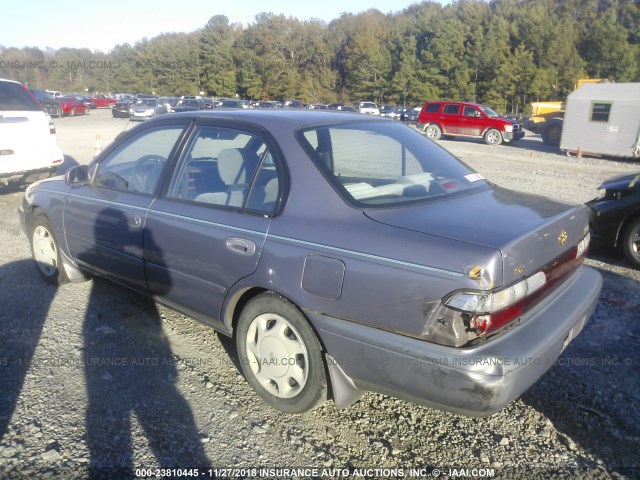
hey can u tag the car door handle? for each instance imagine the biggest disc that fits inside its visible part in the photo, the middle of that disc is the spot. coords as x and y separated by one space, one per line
241 245
132 219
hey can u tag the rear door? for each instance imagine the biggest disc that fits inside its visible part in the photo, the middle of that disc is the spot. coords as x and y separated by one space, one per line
208 229
451 118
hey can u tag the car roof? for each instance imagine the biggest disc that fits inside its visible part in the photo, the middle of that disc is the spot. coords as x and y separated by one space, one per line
461 102
7 80
294 117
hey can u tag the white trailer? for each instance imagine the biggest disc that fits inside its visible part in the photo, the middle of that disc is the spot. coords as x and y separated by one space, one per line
603 119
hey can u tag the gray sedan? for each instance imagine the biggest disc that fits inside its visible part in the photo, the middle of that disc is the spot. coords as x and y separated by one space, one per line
343 253
147 108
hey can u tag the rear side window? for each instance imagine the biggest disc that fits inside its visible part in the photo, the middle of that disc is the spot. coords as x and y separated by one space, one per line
433 107
14 96
227 167
452 109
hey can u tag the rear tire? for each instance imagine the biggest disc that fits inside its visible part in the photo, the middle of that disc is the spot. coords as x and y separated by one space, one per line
45 252
433 132
631 242
552 132
280 354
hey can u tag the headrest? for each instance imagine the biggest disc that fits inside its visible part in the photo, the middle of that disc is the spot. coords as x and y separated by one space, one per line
236 166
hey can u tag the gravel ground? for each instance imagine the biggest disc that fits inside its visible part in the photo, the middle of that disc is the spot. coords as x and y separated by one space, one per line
95 378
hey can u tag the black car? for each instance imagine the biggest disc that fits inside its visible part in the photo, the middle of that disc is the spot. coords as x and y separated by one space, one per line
408 114
49 104
189 105
615 217
122 108
207 104
229 103
88 101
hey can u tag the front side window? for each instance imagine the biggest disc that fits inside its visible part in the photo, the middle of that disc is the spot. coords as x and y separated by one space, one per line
137 165
380 165
600 112
228 168
470 111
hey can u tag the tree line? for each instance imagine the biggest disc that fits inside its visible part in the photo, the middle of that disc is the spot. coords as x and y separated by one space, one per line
504 53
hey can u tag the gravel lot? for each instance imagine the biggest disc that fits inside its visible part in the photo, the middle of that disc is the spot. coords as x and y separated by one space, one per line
170 396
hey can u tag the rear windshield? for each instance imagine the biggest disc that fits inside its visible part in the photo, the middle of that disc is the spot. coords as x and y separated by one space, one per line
382 164
14 96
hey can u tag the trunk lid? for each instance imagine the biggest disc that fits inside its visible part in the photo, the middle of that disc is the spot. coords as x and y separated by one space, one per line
529 230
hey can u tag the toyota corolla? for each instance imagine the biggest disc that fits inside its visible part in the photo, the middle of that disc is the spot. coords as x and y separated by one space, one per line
343 253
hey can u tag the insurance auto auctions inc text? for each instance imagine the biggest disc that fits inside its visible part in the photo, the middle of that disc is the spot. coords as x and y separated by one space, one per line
426 472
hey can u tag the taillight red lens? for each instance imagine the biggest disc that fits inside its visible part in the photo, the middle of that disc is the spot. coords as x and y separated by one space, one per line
490 311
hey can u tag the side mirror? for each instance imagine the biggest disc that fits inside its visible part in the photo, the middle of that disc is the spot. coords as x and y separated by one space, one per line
78 175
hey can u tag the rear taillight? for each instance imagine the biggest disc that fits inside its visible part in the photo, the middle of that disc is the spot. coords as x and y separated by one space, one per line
482 312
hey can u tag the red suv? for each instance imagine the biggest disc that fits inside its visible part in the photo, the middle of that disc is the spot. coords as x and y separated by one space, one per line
468 119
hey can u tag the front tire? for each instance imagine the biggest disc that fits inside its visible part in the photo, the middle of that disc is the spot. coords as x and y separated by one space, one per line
280 354
631 242
493 137
45 252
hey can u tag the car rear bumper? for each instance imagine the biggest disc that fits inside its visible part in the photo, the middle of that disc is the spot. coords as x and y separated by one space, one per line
477 381
14 167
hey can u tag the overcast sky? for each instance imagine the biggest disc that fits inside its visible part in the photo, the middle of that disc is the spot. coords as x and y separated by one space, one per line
101 25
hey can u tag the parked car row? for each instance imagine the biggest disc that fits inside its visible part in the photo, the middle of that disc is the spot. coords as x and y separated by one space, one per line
58 105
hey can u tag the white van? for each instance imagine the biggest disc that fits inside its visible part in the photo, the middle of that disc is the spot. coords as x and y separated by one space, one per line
368 108
28 144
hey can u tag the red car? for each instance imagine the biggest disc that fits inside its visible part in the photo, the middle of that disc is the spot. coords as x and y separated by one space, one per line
102 101
468 119
73 106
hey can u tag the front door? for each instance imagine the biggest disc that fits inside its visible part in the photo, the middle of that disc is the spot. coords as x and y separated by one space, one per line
472 121
104 221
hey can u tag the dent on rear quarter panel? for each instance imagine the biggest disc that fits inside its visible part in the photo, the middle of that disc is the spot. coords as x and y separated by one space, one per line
381 292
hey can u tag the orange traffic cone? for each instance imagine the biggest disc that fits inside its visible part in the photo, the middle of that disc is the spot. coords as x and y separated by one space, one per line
579 152
98 147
